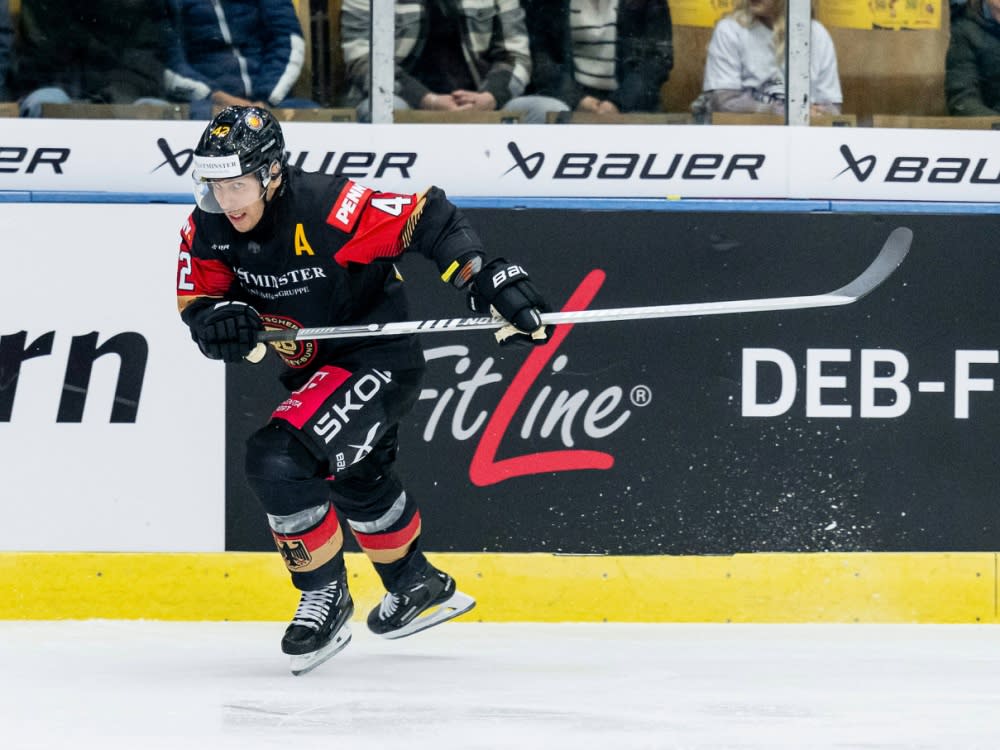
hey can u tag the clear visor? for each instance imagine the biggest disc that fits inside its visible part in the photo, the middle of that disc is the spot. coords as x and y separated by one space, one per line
225 196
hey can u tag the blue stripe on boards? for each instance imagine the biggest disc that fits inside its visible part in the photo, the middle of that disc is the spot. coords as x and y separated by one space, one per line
584 204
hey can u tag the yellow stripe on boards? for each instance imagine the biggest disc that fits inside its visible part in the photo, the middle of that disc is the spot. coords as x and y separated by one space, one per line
918 587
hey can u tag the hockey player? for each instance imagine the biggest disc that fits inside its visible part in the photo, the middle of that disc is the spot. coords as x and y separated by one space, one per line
272 246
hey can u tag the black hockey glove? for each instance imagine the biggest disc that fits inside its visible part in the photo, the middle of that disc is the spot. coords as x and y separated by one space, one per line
225 330
503 289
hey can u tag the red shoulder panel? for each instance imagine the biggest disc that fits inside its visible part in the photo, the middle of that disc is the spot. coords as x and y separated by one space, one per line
382 228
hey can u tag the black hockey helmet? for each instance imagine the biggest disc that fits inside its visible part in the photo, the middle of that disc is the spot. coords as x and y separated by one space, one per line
238 141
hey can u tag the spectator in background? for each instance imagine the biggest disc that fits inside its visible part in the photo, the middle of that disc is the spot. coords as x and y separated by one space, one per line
972 65
234 53
745 69
100 51
6 41
601 56
451 55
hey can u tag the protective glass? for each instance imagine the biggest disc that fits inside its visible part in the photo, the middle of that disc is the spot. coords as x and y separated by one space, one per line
232 195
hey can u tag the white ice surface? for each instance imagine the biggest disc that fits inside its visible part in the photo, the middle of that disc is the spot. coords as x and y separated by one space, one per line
139 685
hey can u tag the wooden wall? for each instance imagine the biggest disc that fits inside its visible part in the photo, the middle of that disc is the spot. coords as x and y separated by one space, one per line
881 72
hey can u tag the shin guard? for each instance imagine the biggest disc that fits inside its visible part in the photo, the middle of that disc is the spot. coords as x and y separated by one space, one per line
311 543
385 521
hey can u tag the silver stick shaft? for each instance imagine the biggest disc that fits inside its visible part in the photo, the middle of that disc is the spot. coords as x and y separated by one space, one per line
888 260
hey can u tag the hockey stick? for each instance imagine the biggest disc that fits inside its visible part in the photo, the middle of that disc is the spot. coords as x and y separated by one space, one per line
890 256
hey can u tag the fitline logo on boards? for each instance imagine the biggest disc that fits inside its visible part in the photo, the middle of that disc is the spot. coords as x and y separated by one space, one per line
598 413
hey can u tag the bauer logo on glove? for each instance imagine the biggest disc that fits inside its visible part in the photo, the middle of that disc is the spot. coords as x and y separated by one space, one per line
511 272
504 290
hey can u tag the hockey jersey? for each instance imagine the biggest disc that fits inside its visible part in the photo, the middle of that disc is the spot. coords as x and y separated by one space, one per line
322 256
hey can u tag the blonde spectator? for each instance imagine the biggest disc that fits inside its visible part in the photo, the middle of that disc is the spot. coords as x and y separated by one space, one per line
745 69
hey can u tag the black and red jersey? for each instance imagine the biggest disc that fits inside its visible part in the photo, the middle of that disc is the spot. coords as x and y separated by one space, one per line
321 256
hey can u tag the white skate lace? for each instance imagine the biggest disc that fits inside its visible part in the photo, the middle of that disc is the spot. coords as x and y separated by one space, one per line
388 607
314 606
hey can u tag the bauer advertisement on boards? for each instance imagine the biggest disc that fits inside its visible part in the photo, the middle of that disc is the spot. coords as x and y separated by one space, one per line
534 161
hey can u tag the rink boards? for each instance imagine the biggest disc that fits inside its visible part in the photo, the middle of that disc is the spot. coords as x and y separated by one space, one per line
628 474
824 587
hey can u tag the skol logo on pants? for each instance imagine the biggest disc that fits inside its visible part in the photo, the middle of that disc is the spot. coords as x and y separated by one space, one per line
354 399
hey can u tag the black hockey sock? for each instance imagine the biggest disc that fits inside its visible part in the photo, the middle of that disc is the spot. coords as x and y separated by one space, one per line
412 566
316 579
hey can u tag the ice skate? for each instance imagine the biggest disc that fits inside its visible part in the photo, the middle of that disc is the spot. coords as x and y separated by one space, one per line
321 626
418 606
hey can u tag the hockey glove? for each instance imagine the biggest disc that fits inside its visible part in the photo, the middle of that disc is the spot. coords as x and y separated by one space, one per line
226 330
502 289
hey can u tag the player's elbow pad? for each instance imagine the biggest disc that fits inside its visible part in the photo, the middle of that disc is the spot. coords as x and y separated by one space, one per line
461 271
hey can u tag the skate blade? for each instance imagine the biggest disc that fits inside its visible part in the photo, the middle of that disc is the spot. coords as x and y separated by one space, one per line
457 604
303 663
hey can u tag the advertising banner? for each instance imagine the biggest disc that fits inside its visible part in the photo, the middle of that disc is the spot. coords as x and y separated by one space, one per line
895 165
863 427
111 421
881 14
849 14
527 161
699 12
